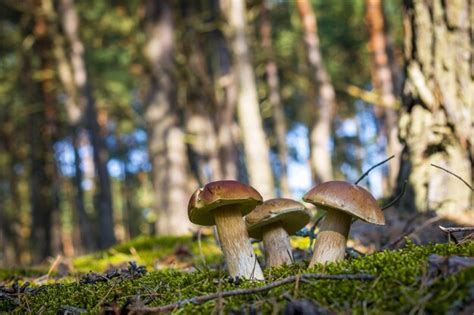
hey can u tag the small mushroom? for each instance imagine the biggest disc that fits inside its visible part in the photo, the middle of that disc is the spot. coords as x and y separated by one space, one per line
223 203
342 201
273 221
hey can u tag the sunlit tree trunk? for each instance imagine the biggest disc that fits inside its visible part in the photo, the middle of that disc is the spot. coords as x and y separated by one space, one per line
278 112
436 123
320 137
248 111
75 113
382 80
85 226
103 198
166 144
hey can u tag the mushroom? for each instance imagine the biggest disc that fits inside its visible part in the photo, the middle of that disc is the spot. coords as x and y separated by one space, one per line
223 203
273 221
341 201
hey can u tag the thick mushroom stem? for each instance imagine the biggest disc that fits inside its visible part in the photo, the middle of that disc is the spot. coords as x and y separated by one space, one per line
238 252
331 241
277 245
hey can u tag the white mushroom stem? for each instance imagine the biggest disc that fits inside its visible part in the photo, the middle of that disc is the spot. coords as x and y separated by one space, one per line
235 243
277 245
331 241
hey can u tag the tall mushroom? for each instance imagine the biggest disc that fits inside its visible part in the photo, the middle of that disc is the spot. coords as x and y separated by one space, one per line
342 201
273 221
223 203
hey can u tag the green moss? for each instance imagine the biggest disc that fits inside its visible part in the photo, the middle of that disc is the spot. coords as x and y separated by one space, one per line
13 274
401 286
152 252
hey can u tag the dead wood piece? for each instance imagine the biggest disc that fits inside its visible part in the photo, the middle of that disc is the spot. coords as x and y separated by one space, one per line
197 300
456 229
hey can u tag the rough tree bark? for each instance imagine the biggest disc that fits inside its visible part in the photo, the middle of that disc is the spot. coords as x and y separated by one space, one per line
250 120
382 80
103 198
437 120
326 100
273 82
166 144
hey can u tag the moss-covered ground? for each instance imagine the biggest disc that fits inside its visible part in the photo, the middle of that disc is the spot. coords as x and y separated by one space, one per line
405 282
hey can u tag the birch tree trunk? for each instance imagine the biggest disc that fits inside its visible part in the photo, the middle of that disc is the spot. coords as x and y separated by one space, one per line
273 82
382 80
250 120
103 198
166 145
326 100
436 125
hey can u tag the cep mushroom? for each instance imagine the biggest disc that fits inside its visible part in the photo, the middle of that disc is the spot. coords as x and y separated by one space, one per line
341 201
224 203
272 222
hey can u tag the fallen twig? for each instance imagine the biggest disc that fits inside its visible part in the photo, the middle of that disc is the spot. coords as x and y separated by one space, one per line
456 229
370 169
457 176
205 298
411 231
451 230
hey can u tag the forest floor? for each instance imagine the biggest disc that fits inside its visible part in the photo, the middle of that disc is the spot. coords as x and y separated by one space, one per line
186 275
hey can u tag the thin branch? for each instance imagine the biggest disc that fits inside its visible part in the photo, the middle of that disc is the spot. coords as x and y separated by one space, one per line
457 176
370 169
197 300
371 97
391 203
411 231
456 229
400 195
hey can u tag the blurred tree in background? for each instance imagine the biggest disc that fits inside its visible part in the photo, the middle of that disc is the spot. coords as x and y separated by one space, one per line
112 113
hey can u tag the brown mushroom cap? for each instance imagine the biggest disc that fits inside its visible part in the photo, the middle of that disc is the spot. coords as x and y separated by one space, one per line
292 215
347 197
221 193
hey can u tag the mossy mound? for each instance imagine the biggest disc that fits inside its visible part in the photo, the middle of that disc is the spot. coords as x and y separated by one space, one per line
405 281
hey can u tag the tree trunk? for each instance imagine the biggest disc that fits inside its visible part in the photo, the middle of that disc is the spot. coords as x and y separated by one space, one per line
201 101
382 80
273 82
43 198
103 198
166 145
227 89
436 123
326 101
75 115
85 226
250 120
